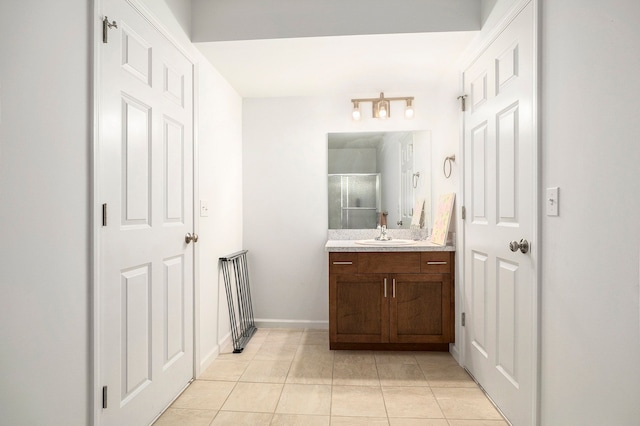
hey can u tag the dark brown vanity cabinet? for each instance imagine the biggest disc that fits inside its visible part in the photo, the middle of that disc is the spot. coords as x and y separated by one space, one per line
391 300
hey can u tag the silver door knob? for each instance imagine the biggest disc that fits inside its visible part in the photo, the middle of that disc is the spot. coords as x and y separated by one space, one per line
190 237
523 246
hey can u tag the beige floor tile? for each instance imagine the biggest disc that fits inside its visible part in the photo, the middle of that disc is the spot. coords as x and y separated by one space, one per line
401 375
224 369
283 330
359 421
448 376
276 351
246 355
311 371
266 371
288 336
233 418
395 421
354 357
362 401
435 359
413 402
291 377
465 403
185 417
256 340
305 399
259 336
355 374
204 394
314 352
254 397
299 420
395 357
315 337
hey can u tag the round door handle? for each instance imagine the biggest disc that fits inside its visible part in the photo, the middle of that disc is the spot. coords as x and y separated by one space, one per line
189 237
523 246
194 237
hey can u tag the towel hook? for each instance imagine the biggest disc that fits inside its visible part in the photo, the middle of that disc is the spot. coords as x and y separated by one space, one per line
450 159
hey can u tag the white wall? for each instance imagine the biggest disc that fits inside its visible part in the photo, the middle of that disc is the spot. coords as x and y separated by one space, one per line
591 252
285 191
220 142
45 181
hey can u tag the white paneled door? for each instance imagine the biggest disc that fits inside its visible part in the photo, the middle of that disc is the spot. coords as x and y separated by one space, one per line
500 200
145 182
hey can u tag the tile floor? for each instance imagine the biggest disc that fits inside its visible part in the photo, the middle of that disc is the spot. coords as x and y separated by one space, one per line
290 377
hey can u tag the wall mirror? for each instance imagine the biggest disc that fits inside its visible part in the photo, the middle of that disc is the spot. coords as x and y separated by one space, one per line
370 173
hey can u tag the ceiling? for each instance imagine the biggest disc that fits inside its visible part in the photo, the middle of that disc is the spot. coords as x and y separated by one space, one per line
355 47
362 65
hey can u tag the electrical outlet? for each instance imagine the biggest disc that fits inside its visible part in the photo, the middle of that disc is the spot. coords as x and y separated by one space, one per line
552 201
204 208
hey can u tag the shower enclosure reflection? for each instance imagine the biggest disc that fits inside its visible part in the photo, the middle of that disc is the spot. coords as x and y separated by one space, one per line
354 200
370 173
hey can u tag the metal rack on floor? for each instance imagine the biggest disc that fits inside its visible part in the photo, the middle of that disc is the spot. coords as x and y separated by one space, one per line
235 271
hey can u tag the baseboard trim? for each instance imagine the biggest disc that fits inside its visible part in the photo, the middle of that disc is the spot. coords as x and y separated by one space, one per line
282 323
453 350
225 341
207 360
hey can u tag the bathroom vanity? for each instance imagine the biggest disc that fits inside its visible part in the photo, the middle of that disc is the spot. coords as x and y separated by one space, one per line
397 297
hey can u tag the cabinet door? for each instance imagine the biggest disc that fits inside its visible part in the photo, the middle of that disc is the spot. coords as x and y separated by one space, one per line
420 308
359 308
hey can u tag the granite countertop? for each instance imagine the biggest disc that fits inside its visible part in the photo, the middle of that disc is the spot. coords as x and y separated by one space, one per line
351 245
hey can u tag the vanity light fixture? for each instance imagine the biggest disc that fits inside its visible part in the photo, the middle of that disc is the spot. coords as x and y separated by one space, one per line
382 106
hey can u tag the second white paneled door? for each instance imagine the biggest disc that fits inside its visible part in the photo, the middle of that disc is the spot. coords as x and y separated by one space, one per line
145 180
500 153
405 203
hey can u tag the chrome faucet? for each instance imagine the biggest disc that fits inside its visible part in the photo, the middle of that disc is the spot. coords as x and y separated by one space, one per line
383 234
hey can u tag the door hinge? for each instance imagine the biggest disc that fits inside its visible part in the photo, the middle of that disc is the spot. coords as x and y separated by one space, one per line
463 104
104 397
463 319
105 29
104 214
463 213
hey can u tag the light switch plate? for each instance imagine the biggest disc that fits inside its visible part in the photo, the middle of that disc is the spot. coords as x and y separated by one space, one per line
552 201
204 208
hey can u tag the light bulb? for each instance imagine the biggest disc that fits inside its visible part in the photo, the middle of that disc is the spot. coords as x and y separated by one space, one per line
408 112
356 111
383 111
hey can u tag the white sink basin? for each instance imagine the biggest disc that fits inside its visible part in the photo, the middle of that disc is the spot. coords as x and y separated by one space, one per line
389 243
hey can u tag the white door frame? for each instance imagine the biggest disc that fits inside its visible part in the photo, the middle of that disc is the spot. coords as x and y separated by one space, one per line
536 248
96 212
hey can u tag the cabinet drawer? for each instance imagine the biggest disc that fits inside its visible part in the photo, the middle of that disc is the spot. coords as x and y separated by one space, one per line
436 262
343 263
389 262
